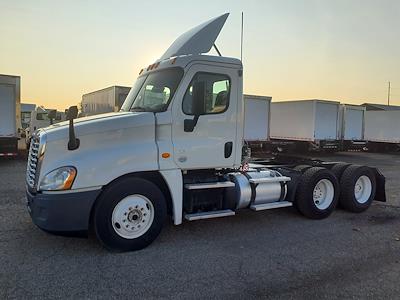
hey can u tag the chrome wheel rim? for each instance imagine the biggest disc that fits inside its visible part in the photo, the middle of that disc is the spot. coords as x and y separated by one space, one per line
132 216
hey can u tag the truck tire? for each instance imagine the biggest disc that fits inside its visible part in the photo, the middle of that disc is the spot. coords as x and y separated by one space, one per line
302 168
317 194
129 214
338 169
358 188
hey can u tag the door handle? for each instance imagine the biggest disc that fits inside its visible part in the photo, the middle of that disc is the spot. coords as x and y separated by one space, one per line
228 149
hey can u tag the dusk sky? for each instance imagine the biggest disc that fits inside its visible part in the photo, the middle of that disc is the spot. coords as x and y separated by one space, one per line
345 50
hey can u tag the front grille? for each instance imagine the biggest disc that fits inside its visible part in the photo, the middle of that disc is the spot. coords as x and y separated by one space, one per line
32 162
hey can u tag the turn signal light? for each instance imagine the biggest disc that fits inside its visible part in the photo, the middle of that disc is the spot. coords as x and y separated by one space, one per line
166 155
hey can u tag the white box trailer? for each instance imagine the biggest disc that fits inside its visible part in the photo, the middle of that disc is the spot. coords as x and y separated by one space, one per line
382 129
351 130
307 122
106 100
10 119
257 115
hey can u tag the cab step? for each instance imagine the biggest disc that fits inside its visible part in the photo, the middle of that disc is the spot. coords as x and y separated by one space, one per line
271 205
209 214
209 185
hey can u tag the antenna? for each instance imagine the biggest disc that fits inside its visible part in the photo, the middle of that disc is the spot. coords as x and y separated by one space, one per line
241 41
388 98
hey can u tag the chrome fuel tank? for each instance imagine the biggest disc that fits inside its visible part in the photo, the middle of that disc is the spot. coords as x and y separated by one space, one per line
253 188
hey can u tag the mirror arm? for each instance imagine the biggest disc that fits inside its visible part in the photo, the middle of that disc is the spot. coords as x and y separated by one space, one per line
190 124
73 142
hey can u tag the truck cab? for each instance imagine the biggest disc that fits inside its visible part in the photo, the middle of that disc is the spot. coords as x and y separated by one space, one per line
39 118
175 149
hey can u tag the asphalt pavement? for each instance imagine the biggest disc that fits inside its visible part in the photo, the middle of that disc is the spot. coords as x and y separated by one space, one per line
269 254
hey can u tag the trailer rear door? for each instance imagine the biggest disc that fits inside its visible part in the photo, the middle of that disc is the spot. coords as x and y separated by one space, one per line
326 120
353 124
7 110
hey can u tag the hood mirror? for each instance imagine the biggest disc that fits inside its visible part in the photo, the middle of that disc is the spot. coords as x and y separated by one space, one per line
73 142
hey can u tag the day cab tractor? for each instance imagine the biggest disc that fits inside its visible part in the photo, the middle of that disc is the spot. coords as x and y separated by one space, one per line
176 150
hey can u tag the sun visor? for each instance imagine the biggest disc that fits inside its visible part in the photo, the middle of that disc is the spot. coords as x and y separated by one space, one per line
199 39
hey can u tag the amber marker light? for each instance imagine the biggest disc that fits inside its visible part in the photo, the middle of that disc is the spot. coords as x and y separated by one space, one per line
166 155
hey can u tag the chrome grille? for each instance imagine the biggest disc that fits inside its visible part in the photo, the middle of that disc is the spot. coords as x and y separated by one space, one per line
32 162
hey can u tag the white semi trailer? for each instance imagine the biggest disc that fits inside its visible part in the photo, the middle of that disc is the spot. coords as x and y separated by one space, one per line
382 130
351 127
175 149
10 116
105 100
305 124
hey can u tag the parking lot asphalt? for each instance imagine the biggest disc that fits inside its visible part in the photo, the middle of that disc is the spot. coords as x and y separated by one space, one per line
268 254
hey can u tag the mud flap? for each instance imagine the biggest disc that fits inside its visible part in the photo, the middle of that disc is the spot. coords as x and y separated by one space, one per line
380 186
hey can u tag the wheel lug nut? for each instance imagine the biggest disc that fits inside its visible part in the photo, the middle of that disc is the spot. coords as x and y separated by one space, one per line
136 206
130 208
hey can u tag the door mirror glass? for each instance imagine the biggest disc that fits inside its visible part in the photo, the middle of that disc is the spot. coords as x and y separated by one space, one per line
198 103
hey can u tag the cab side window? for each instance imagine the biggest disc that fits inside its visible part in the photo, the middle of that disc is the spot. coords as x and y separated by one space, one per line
216 93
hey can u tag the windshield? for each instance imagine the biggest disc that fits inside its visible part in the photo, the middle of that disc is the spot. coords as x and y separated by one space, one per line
154 91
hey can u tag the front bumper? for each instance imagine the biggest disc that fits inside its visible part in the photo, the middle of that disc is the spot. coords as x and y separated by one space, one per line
61 212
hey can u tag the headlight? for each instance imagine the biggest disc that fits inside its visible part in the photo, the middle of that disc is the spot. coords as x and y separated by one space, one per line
58 180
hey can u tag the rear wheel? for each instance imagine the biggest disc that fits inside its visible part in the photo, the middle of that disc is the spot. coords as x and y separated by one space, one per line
358 188
317 193
302 168
338 169
129 214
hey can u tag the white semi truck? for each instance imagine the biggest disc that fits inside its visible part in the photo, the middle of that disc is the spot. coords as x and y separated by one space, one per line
41 117
176 149
10 115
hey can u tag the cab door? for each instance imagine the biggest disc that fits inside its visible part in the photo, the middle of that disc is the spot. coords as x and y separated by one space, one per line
211 143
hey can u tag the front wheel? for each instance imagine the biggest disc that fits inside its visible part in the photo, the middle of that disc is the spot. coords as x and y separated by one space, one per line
129 214
317 194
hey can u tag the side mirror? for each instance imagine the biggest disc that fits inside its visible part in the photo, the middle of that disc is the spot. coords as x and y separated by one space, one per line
73 142
72 113
198 105
198 98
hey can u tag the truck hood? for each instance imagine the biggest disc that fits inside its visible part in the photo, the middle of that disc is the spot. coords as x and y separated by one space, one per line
99 124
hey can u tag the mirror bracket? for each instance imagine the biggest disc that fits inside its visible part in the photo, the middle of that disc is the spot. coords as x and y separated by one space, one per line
190 124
